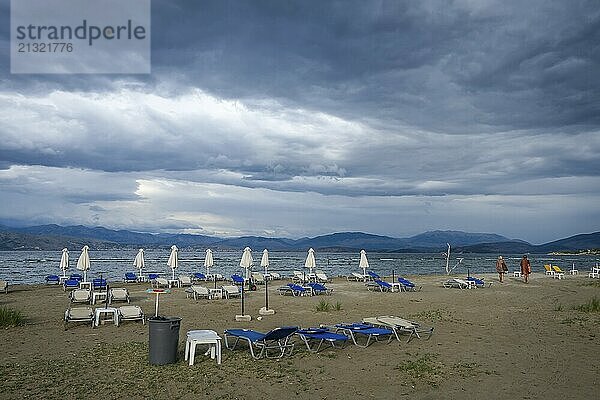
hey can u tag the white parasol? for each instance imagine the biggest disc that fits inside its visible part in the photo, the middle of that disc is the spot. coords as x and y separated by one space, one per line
208 261
64 262
83 262
173 262
310 261
246 261
139 262
363 263
264 261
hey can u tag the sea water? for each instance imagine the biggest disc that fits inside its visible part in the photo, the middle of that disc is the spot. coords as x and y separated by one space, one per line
31 267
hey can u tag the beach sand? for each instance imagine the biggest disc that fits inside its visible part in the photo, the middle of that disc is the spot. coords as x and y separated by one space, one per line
507 341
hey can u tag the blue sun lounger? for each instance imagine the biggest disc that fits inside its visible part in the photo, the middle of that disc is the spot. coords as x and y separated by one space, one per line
199 276
477 282
52 280
98 284
380 285
70 284
408 285
238 280
277 339
370 331
373 275
322 336
319 288
130 277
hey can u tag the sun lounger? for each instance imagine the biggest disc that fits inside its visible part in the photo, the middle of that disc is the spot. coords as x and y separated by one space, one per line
118 294
457 283
295 290
199 276
185 280
77 277
161 282
230 291
52 280
320 336
558 273
198 292
319 288
238 280
359 329
79 314
299 276
258 278
131 313
98 284
356 277
480 283
548 270
373 275
400 325
277 340
70 284
80 296
273 275
321 277
380 285
408 285
4 286
130 277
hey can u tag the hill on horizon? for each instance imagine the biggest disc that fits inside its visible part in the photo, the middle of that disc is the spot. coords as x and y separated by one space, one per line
55 237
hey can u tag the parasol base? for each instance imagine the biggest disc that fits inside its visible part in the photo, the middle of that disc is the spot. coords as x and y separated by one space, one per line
243 318
265 311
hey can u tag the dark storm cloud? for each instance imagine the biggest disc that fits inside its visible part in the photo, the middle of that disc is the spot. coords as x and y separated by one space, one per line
433 112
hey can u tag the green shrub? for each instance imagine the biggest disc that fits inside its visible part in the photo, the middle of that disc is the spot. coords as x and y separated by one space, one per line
10 318
593 305
323 306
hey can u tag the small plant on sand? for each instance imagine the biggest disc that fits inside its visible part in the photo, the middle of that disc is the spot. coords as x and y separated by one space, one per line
323 306
593 305
10 318
337 306
423 369
558 307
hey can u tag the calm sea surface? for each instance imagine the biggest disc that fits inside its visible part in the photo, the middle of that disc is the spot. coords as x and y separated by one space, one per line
32 266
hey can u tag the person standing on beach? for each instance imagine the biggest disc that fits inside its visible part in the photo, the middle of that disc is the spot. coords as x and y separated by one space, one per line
525 268
501 268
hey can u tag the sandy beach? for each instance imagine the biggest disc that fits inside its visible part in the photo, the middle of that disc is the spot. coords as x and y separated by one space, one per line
507 341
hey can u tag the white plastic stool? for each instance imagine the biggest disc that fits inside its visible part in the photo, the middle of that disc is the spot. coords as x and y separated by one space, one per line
208 337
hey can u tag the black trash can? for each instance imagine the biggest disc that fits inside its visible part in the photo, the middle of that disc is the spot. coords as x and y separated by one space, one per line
163 339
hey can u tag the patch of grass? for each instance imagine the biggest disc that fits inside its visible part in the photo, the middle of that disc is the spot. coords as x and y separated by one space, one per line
574 320
337 306
10 318
433 315
424 369
593 305
558 307
595 283
323 306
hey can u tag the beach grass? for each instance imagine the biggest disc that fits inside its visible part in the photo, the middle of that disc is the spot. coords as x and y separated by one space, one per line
325 306
593 305
11 318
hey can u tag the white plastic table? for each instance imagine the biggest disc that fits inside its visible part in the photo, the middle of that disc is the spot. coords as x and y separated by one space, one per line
203 337
98 296
109 311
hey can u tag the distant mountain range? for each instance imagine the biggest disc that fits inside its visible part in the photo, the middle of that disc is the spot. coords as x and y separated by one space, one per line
55 237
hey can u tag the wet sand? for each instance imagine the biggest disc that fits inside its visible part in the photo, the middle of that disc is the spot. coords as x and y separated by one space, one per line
506 341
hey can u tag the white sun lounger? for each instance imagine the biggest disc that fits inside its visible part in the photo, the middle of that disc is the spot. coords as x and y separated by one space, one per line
400 325
458 283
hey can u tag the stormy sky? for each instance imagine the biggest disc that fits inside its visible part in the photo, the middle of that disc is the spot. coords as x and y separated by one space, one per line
303 118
